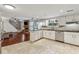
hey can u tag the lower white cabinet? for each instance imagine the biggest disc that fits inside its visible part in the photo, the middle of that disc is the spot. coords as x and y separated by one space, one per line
49 34
71 37
39 34
35 35
32 36
52 35
44 33
67 37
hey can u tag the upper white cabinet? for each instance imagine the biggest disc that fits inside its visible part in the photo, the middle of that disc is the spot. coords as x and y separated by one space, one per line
62 20
71 37
75 18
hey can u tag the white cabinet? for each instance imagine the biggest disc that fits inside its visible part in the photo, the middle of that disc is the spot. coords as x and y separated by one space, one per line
44 33
68 37
62 21
52 35
39 34
49 34
35 35
32 36
71 37
76 39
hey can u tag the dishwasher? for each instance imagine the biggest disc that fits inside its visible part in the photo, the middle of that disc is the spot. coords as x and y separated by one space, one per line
59 36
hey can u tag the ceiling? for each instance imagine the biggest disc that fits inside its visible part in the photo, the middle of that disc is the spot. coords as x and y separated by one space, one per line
38 10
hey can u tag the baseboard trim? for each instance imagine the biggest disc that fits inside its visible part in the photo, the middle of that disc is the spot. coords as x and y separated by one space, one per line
36 40
71 44
58 41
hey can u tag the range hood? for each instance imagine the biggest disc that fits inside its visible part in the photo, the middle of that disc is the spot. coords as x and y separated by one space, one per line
73 22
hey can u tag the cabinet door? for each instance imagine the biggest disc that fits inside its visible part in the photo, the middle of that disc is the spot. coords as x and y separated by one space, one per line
72 38
37 35
62 21
40 34
68 37
48 34
76 39
33 36
44 33
52 35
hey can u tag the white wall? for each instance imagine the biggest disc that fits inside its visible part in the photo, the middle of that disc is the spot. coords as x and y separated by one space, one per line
7 26
0 27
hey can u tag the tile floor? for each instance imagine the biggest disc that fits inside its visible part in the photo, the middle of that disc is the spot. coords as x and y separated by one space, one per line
42 46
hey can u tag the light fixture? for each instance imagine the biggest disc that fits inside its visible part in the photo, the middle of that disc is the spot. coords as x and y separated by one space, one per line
9 6
61 10
74 24
70 10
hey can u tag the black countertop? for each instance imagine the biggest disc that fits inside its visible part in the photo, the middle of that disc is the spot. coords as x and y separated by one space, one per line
61 30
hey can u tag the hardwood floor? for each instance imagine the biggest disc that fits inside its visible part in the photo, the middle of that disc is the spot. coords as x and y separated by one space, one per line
16 39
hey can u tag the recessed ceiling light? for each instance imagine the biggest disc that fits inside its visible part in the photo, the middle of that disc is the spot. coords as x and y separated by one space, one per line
9 6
